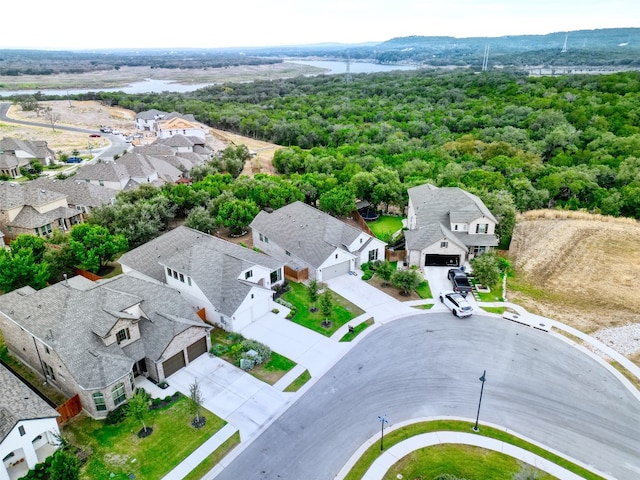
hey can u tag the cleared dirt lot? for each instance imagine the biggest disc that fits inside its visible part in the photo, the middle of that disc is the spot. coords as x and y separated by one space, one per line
92 114
583 270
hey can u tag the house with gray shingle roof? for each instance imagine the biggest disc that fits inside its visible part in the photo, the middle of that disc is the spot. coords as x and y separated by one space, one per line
104 174
304 237
447 226
94 338
81 196
147 120
28 427
29 208
230 284
16 154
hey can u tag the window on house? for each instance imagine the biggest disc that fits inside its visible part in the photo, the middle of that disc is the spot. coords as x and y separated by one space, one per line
248 274
46 349
169 272
48 371
288 253
276 276
336 255
261 238
444 244
455 227
98 401
21 430
373 255
182 278
482 228
122 335
118 394
189 281
266 239
252 296
101 182
132 382
175 274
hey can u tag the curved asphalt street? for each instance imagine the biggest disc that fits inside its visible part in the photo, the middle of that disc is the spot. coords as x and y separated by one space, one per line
118 143
537 385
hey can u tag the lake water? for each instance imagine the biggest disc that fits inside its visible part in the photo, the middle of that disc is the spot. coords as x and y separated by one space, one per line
157 86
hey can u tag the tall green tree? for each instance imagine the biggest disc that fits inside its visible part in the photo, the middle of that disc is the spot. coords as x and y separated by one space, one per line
94 246
20 269
406 280
486 269
139 409
236 215
64 466
339 201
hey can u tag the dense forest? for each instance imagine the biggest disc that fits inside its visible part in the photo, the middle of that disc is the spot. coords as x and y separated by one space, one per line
40 62
569 142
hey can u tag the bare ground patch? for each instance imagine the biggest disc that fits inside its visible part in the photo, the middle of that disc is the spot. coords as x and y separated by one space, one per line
582 270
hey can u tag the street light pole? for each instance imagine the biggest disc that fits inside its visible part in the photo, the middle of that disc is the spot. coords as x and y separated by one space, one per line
383 420
482 379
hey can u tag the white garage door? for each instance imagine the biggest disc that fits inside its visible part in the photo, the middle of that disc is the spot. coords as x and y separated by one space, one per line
335 270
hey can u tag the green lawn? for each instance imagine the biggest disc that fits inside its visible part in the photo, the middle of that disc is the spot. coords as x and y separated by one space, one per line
356 330
117 451
461 461
303 378
273 370
213 459
423 290
343 310
397 436
385 227
498 310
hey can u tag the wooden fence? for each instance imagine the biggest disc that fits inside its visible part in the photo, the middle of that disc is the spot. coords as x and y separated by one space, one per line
91 276
296 275
69 409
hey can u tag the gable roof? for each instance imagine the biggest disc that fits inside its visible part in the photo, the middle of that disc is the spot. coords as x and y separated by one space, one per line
14 195
71 320
437 208
18 402
213 263
305 232
78 192
34 149
152 114
105 171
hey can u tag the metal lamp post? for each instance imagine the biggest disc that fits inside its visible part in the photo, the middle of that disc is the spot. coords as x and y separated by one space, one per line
383 420
482 379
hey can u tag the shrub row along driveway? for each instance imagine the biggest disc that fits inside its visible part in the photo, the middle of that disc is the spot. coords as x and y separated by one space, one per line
428 365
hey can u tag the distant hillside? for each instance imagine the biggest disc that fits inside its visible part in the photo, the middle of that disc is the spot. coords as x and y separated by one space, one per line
585 267
604 47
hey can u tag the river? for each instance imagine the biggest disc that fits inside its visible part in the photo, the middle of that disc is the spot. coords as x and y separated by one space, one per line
157 86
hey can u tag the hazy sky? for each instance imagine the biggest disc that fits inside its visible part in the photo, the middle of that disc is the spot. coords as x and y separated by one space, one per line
78 24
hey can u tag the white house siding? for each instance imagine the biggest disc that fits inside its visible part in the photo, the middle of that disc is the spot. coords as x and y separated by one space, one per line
491 229
374 244
252 308
335 263
24 449
436 249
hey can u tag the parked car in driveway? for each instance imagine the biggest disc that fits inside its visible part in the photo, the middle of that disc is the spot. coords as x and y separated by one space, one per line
459 281
455 302
74 160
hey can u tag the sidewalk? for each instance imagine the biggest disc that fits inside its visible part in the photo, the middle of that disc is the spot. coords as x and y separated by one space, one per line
392 455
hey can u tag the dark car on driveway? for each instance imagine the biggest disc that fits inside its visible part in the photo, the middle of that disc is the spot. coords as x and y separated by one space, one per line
74 160
459 281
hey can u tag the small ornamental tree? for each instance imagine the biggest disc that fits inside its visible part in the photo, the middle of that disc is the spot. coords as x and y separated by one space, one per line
486 269
139 410
326 306
385 271
313 294
64 466
406 280
196 399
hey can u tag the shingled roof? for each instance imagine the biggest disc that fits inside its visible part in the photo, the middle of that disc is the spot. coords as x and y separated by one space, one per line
213 263
437 208
305 232
78 192
18 402
72 320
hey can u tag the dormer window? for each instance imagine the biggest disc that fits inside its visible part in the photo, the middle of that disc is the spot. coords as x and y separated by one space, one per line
123 335
482 228
248 274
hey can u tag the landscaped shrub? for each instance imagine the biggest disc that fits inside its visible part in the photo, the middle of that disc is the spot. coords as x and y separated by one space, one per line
117 415
156 401
367 271
263 351
219 349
